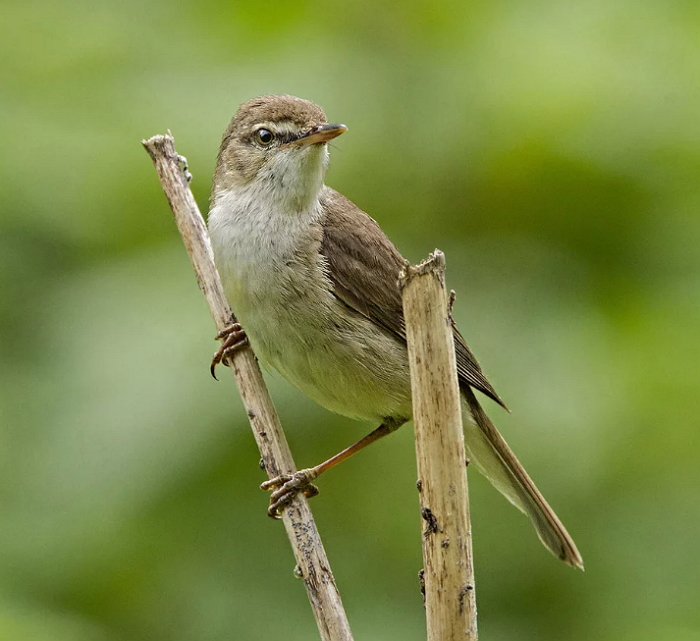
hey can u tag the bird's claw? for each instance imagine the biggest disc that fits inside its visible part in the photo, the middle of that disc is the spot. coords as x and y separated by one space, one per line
286 486
234 338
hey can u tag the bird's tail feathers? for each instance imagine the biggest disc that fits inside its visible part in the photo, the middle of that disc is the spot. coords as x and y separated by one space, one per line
488 450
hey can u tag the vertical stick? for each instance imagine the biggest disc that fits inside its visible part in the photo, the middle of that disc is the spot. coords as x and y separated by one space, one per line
311 559
450 603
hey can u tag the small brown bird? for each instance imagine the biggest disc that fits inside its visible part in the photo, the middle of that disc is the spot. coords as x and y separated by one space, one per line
313 280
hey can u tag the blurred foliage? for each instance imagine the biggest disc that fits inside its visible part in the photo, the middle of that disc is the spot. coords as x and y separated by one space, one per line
551 149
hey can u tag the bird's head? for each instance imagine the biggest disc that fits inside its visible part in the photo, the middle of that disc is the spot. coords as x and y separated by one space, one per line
276 144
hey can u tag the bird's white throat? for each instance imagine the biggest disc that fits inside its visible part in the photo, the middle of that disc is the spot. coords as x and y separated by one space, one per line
288 183
256 228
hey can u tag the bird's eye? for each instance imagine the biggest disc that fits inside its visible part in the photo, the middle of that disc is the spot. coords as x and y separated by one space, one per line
264 136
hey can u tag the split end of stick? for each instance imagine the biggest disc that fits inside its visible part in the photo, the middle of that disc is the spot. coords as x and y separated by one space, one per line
433 264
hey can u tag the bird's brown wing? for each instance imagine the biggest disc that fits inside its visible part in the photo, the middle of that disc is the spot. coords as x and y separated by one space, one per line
364 267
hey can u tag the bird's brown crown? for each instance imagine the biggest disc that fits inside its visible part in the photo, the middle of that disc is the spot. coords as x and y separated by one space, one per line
303 113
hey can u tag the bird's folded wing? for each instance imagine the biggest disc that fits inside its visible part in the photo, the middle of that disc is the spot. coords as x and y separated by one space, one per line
364 267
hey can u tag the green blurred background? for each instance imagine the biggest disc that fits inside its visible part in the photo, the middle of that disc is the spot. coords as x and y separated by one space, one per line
550 148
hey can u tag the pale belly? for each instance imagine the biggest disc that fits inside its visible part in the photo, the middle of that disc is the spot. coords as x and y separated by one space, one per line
334 355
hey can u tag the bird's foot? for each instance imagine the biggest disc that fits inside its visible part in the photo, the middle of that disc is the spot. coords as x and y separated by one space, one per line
285 487
234 338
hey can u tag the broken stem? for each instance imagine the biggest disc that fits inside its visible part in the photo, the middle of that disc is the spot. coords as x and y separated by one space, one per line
312 563
450 603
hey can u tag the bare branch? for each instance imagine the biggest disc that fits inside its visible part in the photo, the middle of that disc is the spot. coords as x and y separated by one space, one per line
447 548
312 563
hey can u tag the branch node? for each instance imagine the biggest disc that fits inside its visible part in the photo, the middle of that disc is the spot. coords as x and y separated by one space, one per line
432 527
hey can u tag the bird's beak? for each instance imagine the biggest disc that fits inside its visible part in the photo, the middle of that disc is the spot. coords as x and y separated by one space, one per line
318 135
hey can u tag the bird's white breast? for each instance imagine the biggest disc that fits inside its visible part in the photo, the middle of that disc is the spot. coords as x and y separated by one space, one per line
276 282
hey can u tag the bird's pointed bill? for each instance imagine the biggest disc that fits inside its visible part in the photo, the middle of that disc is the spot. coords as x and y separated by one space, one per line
318 135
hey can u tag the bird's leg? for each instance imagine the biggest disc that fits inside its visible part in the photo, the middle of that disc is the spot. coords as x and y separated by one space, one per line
234 338
285 487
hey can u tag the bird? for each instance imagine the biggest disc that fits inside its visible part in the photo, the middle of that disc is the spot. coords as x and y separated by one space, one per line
313 281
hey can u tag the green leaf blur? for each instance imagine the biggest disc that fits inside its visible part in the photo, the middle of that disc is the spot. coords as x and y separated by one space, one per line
550 149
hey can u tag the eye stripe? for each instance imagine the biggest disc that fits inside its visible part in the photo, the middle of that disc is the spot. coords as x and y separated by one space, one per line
284 131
